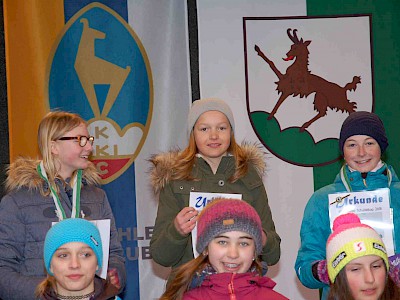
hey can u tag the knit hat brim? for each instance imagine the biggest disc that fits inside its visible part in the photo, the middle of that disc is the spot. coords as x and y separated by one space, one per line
72 230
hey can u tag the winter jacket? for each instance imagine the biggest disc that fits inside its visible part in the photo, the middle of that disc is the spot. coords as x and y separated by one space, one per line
315 227
167 246
228 286
25 218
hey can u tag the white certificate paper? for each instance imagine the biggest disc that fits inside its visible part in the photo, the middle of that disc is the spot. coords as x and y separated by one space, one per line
373 209
199 200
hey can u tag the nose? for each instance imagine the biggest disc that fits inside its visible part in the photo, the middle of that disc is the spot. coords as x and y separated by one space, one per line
369 276
233 251
75 263
214 134
361 151
88 146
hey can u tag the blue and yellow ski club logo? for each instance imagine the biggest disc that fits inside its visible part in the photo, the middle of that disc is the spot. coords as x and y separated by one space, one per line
100 69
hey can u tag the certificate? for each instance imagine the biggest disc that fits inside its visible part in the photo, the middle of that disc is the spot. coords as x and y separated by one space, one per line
373 209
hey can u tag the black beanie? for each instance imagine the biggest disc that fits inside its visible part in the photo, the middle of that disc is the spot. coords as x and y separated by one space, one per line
363 123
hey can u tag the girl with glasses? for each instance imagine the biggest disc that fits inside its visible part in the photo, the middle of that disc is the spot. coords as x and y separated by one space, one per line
62 184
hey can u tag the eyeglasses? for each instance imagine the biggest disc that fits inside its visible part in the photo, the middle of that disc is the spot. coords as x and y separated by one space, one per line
80 138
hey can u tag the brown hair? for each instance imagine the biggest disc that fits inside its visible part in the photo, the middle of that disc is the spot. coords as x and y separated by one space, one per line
340 289
46 286
183 276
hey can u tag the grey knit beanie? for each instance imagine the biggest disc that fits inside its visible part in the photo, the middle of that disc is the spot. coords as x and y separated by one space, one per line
203 105
363 123
225 215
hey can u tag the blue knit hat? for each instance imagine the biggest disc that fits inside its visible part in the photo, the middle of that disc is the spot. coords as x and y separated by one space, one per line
363 123
72 230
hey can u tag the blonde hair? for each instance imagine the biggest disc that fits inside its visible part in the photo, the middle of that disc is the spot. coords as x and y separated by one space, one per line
186 159
52 127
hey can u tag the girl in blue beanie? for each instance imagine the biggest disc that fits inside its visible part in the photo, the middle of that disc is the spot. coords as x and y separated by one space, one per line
72 256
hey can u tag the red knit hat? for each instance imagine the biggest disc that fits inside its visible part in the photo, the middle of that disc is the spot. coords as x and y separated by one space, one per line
224 215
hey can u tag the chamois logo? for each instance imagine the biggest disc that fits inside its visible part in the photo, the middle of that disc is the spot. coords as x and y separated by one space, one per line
97 67
299 81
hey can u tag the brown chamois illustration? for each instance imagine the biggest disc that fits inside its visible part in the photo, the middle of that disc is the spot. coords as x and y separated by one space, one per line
298 81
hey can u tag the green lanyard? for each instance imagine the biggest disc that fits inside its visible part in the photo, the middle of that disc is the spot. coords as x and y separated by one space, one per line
346 181
76 195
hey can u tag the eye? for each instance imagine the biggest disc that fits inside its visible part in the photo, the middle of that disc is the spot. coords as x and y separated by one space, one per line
222 128
222 243
203 129
86 254
62 255
244 244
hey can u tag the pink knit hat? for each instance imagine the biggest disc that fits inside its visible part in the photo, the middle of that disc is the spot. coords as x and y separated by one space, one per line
351 239
224 215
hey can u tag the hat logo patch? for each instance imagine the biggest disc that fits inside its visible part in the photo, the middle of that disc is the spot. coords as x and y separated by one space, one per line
338 259
228 222
94 240
359 247
379 247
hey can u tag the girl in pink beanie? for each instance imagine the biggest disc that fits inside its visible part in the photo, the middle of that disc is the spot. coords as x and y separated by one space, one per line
357 262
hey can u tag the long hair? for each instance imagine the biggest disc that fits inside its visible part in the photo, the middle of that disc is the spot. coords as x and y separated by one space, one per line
47 286
340 289
52 127
186 159
183 276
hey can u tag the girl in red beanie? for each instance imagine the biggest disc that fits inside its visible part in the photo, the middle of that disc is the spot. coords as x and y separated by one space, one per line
229 238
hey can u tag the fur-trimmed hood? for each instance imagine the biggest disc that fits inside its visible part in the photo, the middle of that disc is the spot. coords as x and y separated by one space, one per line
22 173
163 164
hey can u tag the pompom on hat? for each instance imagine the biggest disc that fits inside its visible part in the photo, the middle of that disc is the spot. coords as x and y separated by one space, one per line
224 215
72 230
203 105
351 239
363 123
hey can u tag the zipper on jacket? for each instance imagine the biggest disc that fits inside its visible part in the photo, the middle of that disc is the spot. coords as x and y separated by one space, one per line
231 289
364 177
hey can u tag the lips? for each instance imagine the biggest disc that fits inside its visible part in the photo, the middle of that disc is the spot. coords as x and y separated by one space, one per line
214 145
75 277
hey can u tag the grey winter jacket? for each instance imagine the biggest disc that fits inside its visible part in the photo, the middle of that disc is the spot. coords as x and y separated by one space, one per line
25 218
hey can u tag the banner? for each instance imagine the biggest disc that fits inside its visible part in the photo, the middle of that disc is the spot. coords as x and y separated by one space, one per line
111 63
244 53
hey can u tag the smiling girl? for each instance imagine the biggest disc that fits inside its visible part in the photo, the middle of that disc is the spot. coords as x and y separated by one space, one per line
361 270
62 184
212 162
362 143
229 238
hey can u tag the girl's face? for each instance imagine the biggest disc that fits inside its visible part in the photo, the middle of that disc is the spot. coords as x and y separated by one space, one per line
70 155
231 252
366 277
212 133
74 266
362 153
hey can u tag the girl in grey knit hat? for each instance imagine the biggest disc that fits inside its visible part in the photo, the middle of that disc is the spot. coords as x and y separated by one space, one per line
211 163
